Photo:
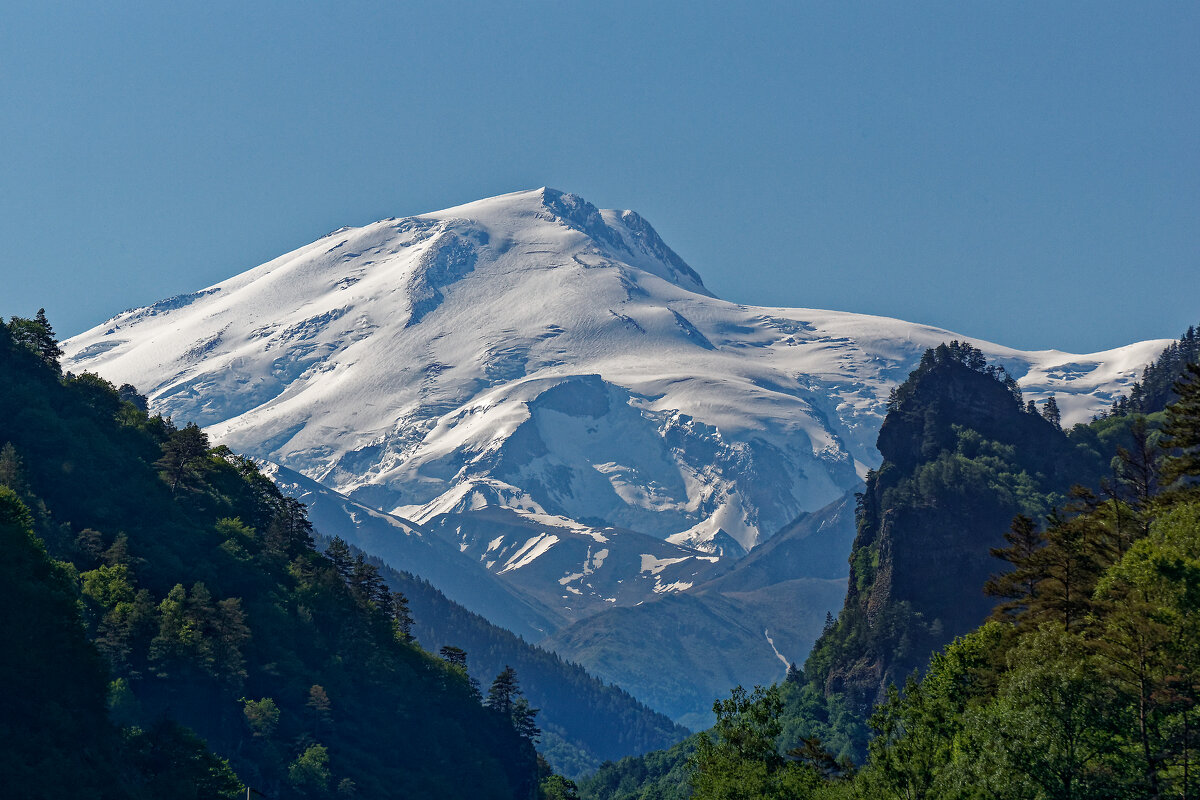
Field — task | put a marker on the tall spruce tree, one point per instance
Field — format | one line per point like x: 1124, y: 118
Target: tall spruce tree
x: 1019, y: 584
x: 503, y: 692
x: 1181, y: 434
x: 37, y: 335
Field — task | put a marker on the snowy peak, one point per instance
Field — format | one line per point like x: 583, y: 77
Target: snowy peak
x: 534, y: 353
x: 627, y: 233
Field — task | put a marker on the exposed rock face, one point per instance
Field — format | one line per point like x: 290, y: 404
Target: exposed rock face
x: 961, y: 458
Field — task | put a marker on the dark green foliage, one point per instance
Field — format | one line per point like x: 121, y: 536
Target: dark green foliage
x: 1181, y: 433
x: 168, y: 760
x: 556, y: 787
x: 37, y: 336
x: 660, y: 775
x: 505, y: 698
x: 1018, y: 584
x: 199, y: 585
x: 454, y: 655
x: 55, y: 738
x: 1051, y: 413
x: 128, y: 393
x: 503, y: 692
x: 183, y: 452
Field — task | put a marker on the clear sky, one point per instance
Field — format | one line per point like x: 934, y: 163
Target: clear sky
x: 1026, y: 173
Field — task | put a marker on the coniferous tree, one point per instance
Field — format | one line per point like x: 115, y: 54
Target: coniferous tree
x: 1181, y: 434
x: 1069, y: 565
x: 1051, y: 413
x: 454, y: 655
x: 401, y: 614
x: 365, y: 583
x: 523, y: 720
x: 339, y: 553
x: 38, y: 336
x: 129, y: 394
x: 503, y: 692
x: 290, y: 532
x: 181, y: 452
x: 1019, y: 584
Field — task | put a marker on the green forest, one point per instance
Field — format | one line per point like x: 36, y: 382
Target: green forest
x: 170, y: 631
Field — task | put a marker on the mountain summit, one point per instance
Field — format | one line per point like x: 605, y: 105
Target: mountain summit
x: 532, y: 359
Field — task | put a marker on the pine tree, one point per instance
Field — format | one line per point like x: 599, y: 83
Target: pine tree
x: 401, y: 615
x: 339, y: 553
x: 1020, y: 583
x: 37, y: 335
x: 290, y: 532
x: 365, y: 583
x: 523, y: 720
x: 1181, y: 433
x: 1067, y: 569
x: 129, y: 393
x: 1051, y: 413
x: 503, y: 692
x: 454, y: 655
x: 182, y: 450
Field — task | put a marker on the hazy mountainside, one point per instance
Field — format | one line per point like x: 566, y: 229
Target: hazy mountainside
x: 414, y: 549
x: 744, y: 625
x: 583, y: 720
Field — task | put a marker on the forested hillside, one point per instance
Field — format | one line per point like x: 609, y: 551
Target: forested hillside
x: 583, y: 720
x: 224, y: 650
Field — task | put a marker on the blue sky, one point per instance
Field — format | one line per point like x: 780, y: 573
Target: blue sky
x: 1023, y: 173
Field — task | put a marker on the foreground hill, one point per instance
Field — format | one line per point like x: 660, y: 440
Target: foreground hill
x: 210, y: 609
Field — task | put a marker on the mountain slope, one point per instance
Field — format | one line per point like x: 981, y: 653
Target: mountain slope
x: 530, y: 351
x: 583, y: 720
x: 744, y: 625
x: 536, y: 382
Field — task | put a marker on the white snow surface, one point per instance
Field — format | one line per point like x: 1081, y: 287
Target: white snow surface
x: 532, y: 352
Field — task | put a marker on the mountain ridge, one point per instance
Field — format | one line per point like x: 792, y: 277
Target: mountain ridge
x: 526, y: 375
x: 525, y: 265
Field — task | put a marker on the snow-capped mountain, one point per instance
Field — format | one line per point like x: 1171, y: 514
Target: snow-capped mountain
x: 537, y: 405
x: 531, y: 352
